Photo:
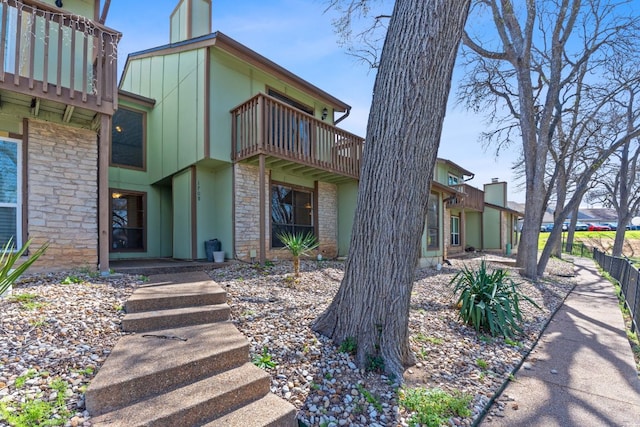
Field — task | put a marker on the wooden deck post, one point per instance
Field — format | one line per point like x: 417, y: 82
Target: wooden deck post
x: 104, y: 142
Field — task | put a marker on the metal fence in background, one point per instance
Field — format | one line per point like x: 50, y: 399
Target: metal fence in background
x: 628, y: 277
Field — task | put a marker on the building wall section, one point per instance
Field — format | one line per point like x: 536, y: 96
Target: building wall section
x: 62, y: 207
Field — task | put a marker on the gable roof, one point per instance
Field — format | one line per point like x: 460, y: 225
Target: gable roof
x: 237, y: 49
x: 462, y: 170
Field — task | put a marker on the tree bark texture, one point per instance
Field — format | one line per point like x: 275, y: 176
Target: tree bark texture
x: 403, y: 134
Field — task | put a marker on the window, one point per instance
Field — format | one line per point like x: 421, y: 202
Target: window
x: 455, y: 231
x: 10, y: 192
x: 453, y: 180
x: 128, y: 221
x: 292, y: 211
x: 128, y: 139
x: 290, y: 129
x: 433, y: 222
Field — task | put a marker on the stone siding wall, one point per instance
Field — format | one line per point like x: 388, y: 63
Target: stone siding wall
x: 62, y: 195
x: 328, y: 219
x: 247, y: 214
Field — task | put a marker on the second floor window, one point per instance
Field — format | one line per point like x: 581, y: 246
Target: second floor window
x: 128, y: 139
x: 453, y: 180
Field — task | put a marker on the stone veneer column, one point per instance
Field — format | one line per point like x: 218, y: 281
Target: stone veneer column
x: 328, y: 219
x: 247, y: 210
x: 62, y: 195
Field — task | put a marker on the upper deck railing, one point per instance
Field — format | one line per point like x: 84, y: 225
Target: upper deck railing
x: 55, y: 55
x: 473, y: 198
x: 264, y: 125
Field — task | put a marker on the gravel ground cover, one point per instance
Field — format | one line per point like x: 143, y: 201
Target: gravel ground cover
x: 276, y: 313
x: 66, y: 331
x: 53, y: 330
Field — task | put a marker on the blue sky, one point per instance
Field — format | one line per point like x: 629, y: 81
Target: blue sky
x: 298, y: 35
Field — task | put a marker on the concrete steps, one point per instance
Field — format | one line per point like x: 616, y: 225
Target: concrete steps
x: 187, y: 364
x: 175, y: 317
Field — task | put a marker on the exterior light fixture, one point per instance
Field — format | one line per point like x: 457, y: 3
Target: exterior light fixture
x: 59, y: 3
x: 325, y: 113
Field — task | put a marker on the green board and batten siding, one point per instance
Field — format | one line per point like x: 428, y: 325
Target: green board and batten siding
x: 176, y: 126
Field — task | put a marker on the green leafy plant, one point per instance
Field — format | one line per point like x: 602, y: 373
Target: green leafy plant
x: 9, y: 257
x: 370, y: 398
x: 298, y: 244
x: 489, y: 301
x: 349, y: 345
x: 263, y: 360
x: 434, y: 407
x: 482, y: 364
x: 375, y: 363
x: 36, y: 412
x: 22, y: 379
x: 71, y: 280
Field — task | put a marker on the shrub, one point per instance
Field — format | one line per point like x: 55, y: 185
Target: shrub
x: 298, y: 244
x: 8, y: 258
x: 489, y: 301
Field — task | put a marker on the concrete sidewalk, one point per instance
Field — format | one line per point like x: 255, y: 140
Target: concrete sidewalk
x: 582, y: 371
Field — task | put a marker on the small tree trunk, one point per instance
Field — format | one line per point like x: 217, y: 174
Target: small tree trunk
x: 296, y: 266
x: 403, y: 134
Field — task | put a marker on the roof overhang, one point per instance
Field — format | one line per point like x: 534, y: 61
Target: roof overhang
x: 240, y: 51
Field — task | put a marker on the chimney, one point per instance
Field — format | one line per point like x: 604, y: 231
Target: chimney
x: 495, y: 180
x: 190, y: 19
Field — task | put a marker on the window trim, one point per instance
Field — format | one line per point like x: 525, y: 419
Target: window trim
x: 144, y: 142
x: 20, y: 231
x: 292, y: 102
x: 435, y: 247
x: 455, y: 218
x: 125, y: 192
x: 314, y: 207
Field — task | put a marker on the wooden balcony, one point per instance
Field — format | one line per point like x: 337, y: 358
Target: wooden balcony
x: 294, y: 141
x: 472, y: 199
x: 53, y: 56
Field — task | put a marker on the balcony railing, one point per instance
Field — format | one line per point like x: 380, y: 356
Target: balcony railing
x: 264, y: 125
x: 473, y: 198
x: 54, y: 55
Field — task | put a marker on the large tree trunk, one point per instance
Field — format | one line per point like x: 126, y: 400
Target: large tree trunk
x: 403, y: 134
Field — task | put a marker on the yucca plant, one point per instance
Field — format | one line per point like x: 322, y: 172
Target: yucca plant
x: 490, y: 301
x: 8, y: 258
x: 298, y: 244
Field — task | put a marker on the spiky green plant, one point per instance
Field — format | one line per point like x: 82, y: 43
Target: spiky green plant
x: 298, y: 244
x: 490, y: 300
x: 8, y: 258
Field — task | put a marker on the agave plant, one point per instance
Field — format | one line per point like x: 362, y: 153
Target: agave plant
x: 490, y: 300
x: 298, y: 244
x: 8, y: 258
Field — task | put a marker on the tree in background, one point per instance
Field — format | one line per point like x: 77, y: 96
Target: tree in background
x: 619, y: 188
x: 403, y: 134
x: 524, y: 72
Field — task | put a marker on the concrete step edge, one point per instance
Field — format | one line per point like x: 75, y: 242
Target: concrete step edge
x: 194, y: 403
x: 269, y: 411
x: 176, y: 317
x: 139, y: 366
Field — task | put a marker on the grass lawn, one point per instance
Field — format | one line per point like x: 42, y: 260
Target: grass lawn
x: 601, y: 239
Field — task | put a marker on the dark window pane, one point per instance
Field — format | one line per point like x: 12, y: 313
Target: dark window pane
x: 7, y: 225
x: 8, y: 172
x: 127, y: 139
x: 127, y: 221
x: 291, y: 211
x: 433, y: 225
